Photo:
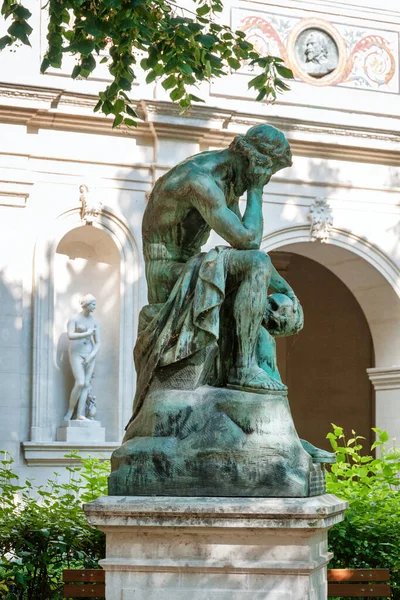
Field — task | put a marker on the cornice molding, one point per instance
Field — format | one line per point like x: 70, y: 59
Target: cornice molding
x: 45, y: 108
x: 385, y: 379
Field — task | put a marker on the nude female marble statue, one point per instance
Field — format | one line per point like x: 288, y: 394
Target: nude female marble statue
x: 84, y: 335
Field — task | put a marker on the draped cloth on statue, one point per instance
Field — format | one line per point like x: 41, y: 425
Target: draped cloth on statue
x: 186, y: 323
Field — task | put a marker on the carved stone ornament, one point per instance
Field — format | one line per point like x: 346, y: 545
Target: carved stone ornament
x: 321, y: 218
x: 91, y: 208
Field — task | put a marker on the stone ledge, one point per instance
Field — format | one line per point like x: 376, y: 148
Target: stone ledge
x: 289, y: 567
x: 53, y: 453
x: 385, y: 379
x: 113, y: 512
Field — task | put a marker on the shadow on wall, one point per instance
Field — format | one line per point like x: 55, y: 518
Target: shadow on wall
x: 15, y: 356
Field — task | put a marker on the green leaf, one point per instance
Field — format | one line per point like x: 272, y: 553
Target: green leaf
x: 384, y: 436
x: 20, y: 30
x: 85, y: 47
x: 284, y: 71
x: 206, y: 40
x: 170, y: 82
x: 130, y: 111
x: 258, y: 82
x: 130, y: 122
x: 117, y: 121
x: 177, y: 93
x: 234, y: 63
x: 151, y: 77
x: 45, y: 65
x: 76, y: 71
x: 261, y: 95
x: 203, y: 10
x: 6, y: 40
x: 186, y: 68
x: 196, y: 98
x: 22, y: 13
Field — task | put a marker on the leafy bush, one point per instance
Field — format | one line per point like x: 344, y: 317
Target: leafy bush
x: 369, y: 536
x: 43, y: 530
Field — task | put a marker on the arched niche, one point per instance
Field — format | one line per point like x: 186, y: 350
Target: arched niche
x: 65, y: 243
x: 87, y: 261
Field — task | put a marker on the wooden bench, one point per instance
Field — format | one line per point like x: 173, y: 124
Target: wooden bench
x: 358, y: 583
x: 90, y: 583
x: 84, y: 583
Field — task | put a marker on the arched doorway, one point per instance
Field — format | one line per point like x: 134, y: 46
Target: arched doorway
x: 325, y: 365
x: 374, y: 280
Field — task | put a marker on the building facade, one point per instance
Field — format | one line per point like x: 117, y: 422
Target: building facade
x: 73, y: 191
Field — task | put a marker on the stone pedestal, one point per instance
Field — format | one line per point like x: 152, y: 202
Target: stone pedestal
x: 81, y: 431
x: 164, y: 548
x: 214, y: 441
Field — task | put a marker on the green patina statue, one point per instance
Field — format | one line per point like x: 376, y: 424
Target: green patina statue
x: 210, y: 413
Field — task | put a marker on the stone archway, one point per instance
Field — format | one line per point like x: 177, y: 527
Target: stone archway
x: 42, y: 427
x: 374, y: 281
x: 325, y: 366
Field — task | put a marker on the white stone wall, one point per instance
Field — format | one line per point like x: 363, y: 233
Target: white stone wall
x: 345, y: 140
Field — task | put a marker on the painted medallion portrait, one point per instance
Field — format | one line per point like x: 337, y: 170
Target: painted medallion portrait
x: 316, y: 52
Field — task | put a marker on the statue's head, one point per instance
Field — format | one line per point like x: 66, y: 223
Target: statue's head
x: 280, y: 318
x: 316, y: 48
x: 263, y: 149
x: 88, y: 302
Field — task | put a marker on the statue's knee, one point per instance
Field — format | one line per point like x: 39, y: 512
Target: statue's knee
x: 79, y: 383
x: 260, y: 262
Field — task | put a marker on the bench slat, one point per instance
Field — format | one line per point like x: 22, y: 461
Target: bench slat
x: 86, y: 590
x: 358, y: 575
x: 374, y: 590
x: 84, y: 575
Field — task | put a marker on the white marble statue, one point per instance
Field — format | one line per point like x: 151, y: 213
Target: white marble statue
x: 84, y: 335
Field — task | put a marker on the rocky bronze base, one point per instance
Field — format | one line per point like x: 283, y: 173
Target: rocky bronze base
x: 214, y: 442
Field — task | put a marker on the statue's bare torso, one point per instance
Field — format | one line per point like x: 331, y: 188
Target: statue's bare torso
x: 172, y: 218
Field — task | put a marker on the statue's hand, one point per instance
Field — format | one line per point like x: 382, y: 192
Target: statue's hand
x: 290, y: 294
x: 259, y: 177
x: 86, y: 361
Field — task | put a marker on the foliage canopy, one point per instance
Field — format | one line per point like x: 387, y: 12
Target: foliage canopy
x: 180, y: 46
x: 43, y: 530
x: 368, y: 537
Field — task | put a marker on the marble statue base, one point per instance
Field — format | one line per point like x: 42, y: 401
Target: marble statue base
x: 175, y: 548
x: 81, y: 431
x: 214, y: 442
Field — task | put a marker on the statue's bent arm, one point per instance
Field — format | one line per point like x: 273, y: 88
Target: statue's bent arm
x: 96, y: 338
x: 75, y: 335
x: 209, y: 200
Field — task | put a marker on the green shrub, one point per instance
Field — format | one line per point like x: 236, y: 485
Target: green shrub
x: 43, y: 530
x: 369, y: 536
